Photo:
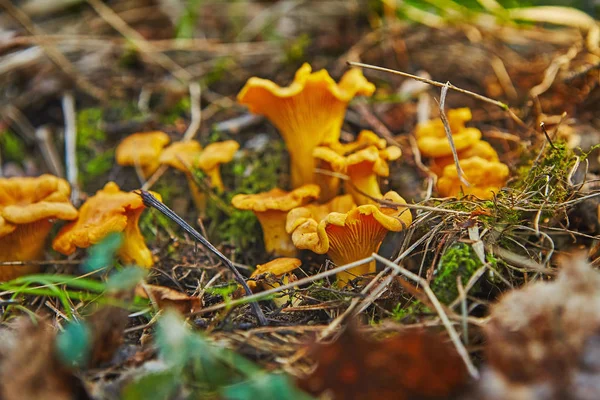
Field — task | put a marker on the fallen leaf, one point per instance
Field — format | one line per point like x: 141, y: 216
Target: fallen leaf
x: 412, y: 364
x: 169, y: 298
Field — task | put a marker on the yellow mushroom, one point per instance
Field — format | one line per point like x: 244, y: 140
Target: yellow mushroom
x: 271, y: 209
x: 431, y: 135
x: 213, y: 156
x: 479, y: 149
x: 272, y: 274
x: 142, y: 149
x: 362, y: 166
x: 307, y: 113
x: 350, y: 236
x: 485, y: 178
x: 183, y: 156
x: 28, y: 207
x: 109, y: 210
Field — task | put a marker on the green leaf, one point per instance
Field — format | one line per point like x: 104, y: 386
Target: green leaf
x: 154, y: 386
x: 126, y: 278
x: 73, y: 345
x: 265, y: 386
x: 102, y: 254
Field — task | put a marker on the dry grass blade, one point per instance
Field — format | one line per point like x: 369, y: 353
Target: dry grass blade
x: 460, y: 348
x: 459, y: 171
x: 497, y: 103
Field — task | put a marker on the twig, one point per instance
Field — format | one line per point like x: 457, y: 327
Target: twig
x: 281, y: 288
x: 459, y: 171
x: 497, y: 103
x: 68, y: 106
x: 43, y: 136
x: 55, y: 55
x: 460, y: 348
x: 151, y: 201
x: 543, y: 126
x: 196, y: 111
x: 114, y: 20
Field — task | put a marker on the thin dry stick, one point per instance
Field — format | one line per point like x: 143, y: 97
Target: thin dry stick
x: 460, y: 348
x: 461, y: 174
x: 56, y: 56
x: 267, y: 293
x: 43, y: 136
x: 114, y: 20
x: 196, y: 111
x: 497, y: 103
x: 353, y: 303
x: 68, y: 106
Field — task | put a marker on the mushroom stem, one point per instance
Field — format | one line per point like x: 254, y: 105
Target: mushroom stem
x: 215, y: 179
x: 26, y: 243
x: 302, y: 165
x: 363, y: 182
x: 198, y: 195
x: 277, y: 240
x: 134, y: 250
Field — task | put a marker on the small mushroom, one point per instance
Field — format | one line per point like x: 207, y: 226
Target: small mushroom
x: 363, y: 165
x: 213, y: 156
x: 431, y: 135
x: 28, y: 207
x: 183, y: 156
x: 142, y: 149
x: 109, y: 210
x: 480, y: 149
x: 350, y: 236
x: 272, y: 274
x: 485, y: 178
x: 318, y: 212
x: 307, y: 113
x: 271, y: 209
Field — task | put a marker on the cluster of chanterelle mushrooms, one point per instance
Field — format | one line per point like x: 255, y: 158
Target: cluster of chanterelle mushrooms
x: 347, y: 219
x: 315, y: 215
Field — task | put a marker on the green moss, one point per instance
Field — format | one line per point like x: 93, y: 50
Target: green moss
x: 92, y: 156
x: 550, y: 172
x: 458, y: 259
x: 295, y: 51
x: 249, y: 173
x: 218, y: 71
x: 13, y: 149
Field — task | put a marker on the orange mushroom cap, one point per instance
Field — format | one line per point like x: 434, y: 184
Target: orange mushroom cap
x: 27, y: 206
x: 271, y: 209
x: 142, y: 149
x: 307, y: 113
x: 363, y: 165
x: 181, y: 155
x: 268, y: 276
x: 485, y: 178
x: 351, y: 236
x: 109, y: 210
x: 479, y: 149
x: 184, y: 156
x: 213, y: 156
x: 431, y: 135
x: 318, y: 212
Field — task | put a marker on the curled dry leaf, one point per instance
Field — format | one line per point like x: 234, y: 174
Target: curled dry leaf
x: 169, y: 298
x: 412, y: 364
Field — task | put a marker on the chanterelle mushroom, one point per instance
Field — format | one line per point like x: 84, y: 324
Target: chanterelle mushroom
x: 142, y: 149
x: 271, y: 209
x: 431, y: 135
x: 213, y: 156
x: 351, y: 236
x: 268, y: 276
x: 28, y: 207
x: 307, y: 113
x: 485, y: 178
x: 109, y: 210
x: 478, y: 149
x: 363, y: 161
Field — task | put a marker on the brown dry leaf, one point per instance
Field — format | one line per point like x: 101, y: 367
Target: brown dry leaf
x: 31, y: 369
x: 169, y: 298
x: 410, y: 365
x: 108, y: 325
